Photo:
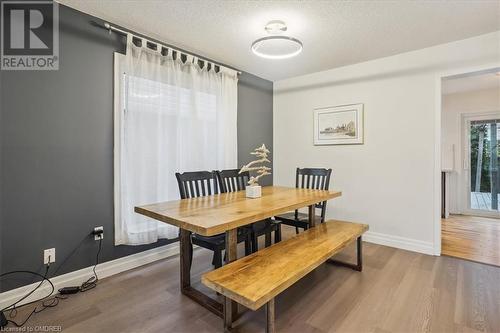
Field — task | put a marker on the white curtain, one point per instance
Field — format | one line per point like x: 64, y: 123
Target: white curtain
x: 170, y: 116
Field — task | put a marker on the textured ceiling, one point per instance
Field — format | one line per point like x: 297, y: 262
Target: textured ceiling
x: 334, y: 33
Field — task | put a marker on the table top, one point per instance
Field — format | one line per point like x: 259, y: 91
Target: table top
x: 215, y: 214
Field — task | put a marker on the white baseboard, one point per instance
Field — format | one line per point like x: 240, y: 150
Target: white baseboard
x: 103, y: 270
x: 399, y: 242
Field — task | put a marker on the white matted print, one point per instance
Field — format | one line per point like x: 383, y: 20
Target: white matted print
x: 339, y: 125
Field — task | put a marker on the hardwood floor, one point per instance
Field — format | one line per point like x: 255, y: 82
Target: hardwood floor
x: 471, y: 238
x: 398, y: 291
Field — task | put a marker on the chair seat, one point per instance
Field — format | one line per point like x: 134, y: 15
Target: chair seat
x: 302, y: 217
x: 216, y: 239
x: 220, y: 239
x: 261, y: 227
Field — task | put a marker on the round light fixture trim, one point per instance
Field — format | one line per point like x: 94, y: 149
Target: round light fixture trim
x: 277, y: 47
x: 275, y: 27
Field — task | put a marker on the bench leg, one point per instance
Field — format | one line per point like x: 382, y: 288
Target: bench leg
x: 359, y: 265
x: 360, y: 254
x: 270, y: 327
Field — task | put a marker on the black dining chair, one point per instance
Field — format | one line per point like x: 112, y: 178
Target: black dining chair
x: 311, y: 178
x: 202, y: 183
x: 231, y: 181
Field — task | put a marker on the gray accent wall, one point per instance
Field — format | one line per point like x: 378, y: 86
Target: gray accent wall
x: 56, y: 136
x: 255, y: 118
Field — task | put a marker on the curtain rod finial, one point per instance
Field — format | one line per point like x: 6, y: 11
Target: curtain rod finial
x: 108, y: 26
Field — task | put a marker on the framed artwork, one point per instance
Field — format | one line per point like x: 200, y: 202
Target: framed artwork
x: 339, y: 125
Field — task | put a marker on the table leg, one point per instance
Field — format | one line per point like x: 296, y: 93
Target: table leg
x: 186, y: 252
x: 230, y: 307
x: 311, y: 217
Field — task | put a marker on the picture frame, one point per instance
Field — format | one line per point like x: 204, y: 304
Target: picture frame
x: 339, y: 125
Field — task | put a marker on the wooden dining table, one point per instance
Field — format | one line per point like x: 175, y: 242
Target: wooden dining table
x: 224, y: 213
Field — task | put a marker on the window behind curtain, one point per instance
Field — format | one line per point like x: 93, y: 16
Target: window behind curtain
x: 168, y: 118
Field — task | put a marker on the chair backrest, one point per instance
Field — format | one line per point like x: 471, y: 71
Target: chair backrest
x: 314, y: 178
x: 196, y: 184
x: 232, y: 181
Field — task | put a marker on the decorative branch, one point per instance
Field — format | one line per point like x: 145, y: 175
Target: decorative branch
x: 262, y: 170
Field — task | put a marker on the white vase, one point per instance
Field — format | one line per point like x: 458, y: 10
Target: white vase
x: 254, y: 191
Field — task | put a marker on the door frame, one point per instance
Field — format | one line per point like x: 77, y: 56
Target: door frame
x: 437, y: 140
x: 464, y: 181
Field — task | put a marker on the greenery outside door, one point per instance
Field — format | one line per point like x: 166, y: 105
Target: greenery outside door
x: 481, y: 165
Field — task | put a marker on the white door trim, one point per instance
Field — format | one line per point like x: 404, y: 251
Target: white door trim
x: 437, y: 143
x: 464, y: 181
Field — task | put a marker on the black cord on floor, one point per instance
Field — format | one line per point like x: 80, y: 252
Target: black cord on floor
x: 13, y: 307
x: 45, y: 305
x: 47, y: 302
x: 44, y: 278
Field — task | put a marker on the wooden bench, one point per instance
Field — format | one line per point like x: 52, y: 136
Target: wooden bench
x: 255, y: 280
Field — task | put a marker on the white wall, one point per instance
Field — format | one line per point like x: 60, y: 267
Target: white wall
x: 453, y: 107
x: 389, y: 182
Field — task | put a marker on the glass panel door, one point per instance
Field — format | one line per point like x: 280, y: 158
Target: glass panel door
x: 484, y: 183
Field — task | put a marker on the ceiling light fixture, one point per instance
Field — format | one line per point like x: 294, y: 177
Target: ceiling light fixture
x: 276, y: 46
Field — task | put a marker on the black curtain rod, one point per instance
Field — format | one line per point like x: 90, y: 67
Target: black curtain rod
x: 125, y: 32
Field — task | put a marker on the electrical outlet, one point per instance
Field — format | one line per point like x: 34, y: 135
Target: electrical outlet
x: 49, y: 256
x: 96, y: 231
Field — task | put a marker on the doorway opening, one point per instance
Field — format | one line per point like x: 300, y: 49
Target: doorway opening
x: 470, y: 162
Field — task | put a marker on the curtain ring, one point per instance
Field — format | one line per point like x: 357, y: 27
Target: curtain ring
x: 196, y: 62
x: 130, y: 39
x: 178, y: 56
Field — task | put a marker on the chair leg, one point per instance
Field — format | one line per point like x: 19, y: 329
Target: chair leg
x: 217, y: 258
x: 268, y: 238
x: 277, y: 233
x: 297, y: 230
x: 255, y: 242
x: 248, y: 244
